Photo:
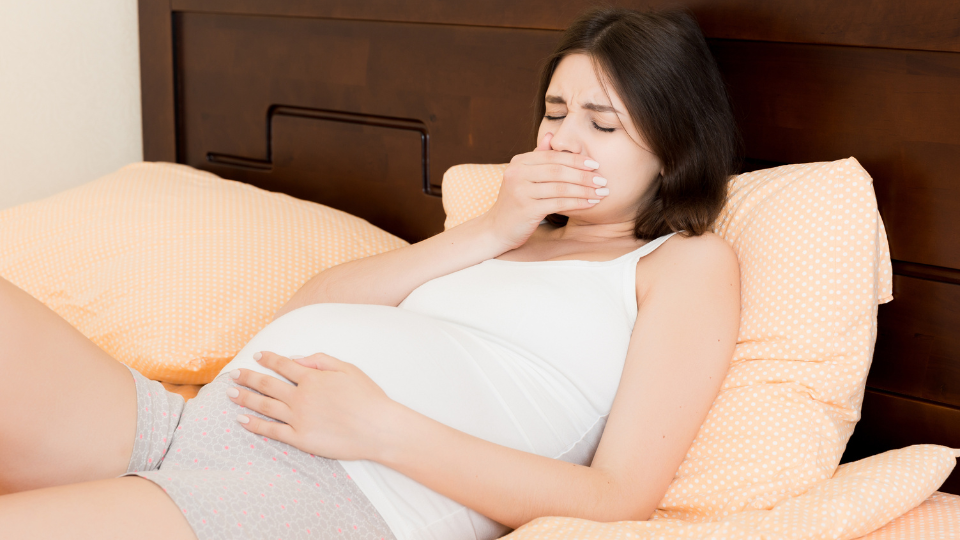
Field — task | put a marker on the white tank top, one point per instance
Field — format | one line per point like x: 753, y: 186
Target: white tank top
x: 524, y: 354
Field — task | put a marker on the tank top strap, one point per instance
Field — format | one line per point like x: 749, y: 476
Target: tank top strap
x: 646, y: 249
x: 629, y: 274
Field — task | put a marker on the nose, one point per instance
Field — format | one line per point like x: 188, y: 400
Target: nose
x: 565, y: 138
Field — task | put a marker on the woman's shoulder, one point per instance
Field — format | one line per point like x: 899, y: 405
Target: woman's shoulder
x: 705, y: 247
x: 688, y: 259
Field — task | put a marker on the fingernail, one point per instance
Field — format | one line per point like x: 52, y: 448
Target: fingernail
x: 296, y: 356
x: 257, y: 356
x: 243, y: 419
x: 235, y: 374
x: 233, y: 392
x: 591, y: 164
x: 593, y: 201
x: 599, y: 181
x: 603, y: 191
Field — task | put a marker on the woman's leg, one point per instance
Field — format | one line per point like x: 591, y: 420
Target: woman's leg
x: 68, y: 411
x: 128, y: 507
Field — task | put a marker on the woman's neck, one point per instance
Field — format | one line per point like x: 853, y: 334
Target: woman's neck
x: 594, y: 232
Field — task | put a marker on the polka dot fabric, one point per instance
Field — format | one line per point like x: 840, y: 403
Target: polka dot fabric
x: 814, y: 265
x: 860, y: 497
x: 470, y: 190
x: 937, y: 518
x: 172, y: 270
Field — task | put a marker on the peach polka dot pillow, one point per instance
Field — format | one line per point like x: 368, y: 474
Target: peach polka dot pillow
x: 172, y: 270
x: 937, y: 518
x: 470, y: 190
x: 814, y: 265
x: 860, y: 498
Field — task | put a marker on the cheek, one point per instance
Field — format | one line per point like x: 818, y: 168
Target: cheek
x: 628, y: 173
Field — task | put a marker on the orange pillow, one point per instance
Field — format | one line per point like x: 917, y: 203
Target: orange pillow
x: 469, y: 190
x: 937, y: 518
x: 861, y: 497
x: 172, y: 270
x: 814, y: 264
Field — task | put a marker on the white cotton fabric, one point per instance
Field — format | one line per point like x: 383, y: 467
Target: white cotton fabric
x: 524, y: 354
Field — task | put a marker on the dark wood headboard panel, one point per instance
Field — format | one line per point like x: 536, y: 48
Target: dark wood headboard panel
x: 363, y: 104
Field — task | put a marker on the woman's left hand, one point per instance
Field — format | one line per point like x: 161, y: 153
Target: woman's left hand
x: 335, y: 411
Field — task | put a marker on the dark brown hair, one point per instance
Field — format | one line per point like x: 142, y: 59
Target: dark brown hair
x: 660, y: 66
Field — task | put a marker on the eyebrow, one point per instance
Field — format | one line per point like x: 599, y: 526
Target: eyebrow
x: 557, y: 100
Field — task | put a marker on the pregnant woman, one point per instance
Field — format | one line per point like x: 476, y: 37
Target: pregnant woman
x: 555, y: 356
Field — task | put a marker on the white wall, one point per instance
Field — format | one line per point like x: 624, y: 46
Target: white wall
x: 69, y: 94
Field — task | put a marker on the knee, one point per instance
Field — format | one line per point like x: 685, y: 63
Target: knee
x: 8, y: 293
x: 14, y: 302
x: 8, y: 301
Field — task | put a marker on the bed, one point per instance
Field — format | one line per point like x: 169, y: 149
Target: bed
x: 362, y: 106
x: 441, y: 83
x: 390, y: 95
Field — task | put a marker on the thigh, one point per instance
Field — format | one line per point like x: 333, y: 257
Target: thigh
x: 128, y: 507
x: 68, y: 408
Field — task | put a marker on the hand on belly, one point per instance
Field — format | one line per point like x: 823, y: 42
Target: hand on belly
x: 335, y: 410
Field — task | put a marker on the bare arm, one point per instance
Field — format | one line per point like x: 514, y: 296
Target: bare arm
x: 387, y: 278
x: 679, y: 352
x: 535, y: 184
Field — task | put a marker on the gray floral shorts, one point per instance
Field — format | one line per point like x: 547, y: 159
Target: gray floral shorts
x: 231, y: 483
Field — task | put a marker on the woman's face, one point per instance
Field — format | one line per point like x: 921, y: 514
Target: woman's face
x: 586, y: 119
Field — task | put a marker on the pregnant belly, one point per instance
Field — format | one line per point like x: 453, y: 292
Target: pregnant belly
x: 438, y: 369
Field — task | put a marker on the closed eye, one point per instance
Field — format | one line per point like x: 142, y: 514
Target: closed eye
x: 603, y: 129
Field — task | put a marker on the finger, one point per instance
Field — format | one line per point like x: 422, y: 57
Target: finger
x: 553, y: 172
x: 281, y: 364
x: 264, y: 405
x: 274, y: 430
x: 265, y: 384
x: 323, y: 362
x: 544, y: 143
x: 569, y: 159
x: 551, y: 190
x: 559, y: 206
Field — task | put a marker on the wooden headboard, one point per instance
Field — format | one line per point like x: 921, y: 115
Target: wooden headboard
x: 363, y: 104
